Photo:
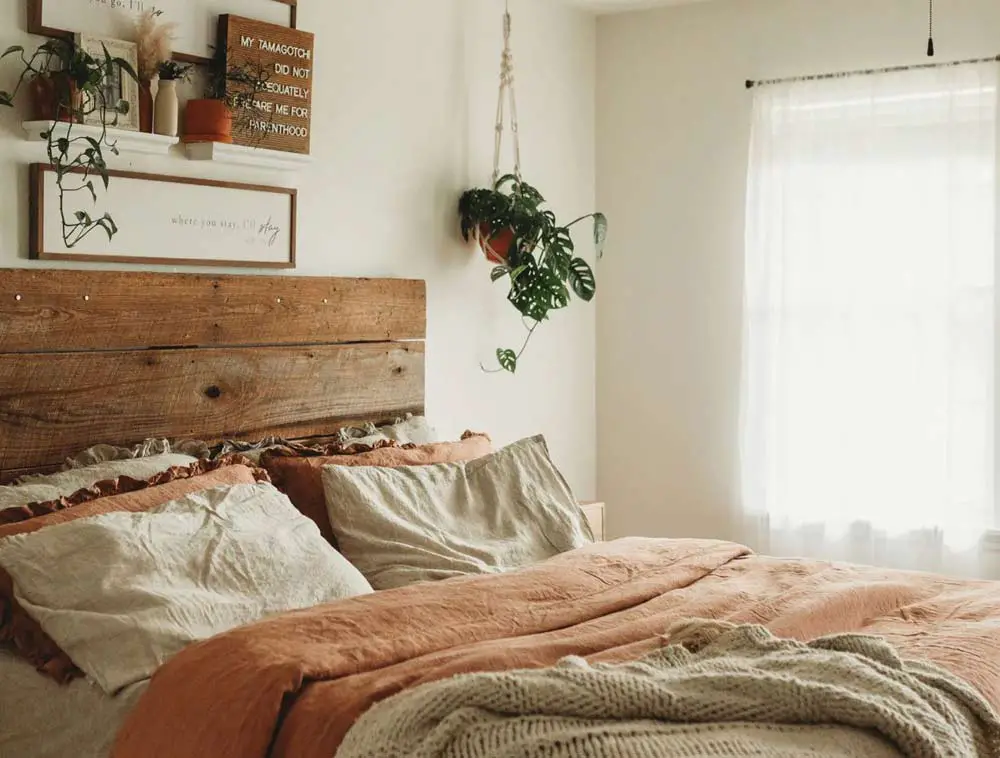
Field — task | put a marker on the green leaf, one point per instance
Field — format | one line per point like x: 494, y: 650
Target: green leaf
x: 93, y: 192
x: 600, y: 233
x: 559, y: 261
x: 62, y: 144
x: 499, y: 272
x: 108, y: 225
x: 125, y: 66
x: 6, y: 99
x: 11, y: 50
x: 507, y: 360
x: 581, y: 279
x: 538, y: 291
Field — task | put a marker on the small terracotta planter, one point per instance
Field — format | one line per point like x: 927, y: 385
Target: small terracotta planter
x: 208, y: 121
x: 54, y: 97
x: 496, y: 247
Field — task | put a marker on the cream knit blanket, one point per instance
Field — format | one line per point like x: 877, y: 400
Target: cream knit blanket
x: 725, y: 691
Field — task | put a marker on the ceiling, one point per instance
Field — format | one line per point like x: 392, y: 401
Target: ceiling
x: 619, y: 6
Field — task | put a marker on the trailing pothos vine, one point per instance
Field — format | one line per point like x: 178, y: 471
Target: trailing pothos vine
x: 72, y: 81
x: 533, y: 252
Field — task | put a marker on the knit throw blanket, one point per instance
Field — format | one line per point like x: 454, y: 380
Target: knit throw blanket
x: 722, y: 691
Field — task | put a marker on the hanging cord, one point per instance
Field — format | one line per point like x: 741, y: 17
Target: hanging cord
x: 507, y: 94
x: 930, y: 29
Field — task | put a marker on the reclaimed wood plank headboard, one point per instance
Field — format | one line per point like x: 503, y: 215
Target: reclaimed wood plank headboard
x: 88, y: 357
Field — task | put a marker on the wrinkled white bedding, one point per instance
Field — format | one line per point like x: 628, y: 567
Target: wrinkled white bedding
x: 42, y: 719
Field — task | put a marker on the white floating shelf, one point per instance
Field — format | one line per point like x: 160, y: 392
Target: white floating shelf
x: 126, y: 141
x: 241, y: 155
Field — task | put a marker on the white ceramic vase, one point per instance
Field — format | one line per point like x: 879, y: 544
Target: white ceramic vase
x: 166, y: 109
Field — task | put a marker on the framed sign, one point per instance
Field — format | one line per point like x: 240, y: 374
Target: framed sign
x: 281, y: 113
x: 117, y: 85
x: 196, y: 19
x: 172, y: 220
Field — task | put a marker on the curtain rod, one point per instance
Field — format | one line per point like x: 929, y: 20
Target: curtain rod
x: 751, y: 83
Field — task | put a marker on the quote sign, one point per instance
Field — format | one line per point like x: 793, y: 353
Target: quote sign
x: 195, y: 32
x: 282, y: 60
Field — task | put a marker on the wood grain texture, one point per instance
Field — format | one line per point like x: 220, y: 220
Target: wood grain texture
x: 43, y: 310
x: 53, y: 405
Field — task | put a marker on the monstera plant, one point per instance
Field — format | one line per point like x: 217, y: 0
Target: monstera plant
x: 531, y: 251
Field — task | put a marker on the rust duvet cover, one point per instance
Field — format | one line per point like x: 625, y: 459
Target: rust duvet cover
x: 292, y: 686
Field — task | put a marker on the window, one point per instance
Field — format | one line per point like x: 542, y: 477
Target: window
x: 869, y: 346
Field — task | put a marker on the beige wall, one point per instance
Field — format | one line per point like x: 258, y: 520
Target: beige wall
x: 405, y: 94
x: 673, y: 137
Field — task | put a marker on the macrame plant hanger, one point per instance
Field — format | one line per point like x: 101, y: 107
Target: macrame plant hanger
x: 507, y: 97
x: 930, y: 29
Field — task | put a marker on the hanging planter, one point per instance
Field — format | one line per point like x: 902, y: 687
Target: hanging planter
x: 529, y: 248
x: 496, y: 247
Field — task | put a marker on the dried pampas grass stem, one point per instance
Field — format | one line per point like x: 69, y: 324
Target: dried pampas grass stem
x: 154, y: 39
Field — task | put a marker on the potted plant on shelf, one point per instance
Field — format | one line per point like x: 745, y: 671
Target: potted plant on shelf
x: 65, y: 84
x: 167, y: 106
x: 153, y: 39
x: 531, y: 250
x: 230, y: 103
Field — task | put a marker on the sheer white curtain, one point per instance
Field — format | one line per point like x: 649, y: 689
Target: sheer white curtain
x: 867, y: 423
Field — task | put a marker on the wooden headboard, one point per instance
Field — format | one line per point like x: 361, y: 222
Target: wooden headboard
x: 89, y: 357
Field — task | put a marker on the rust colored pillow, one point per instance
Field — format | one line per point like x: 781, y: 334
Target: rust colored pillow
x: 301, y: 478
x: 21, y: 632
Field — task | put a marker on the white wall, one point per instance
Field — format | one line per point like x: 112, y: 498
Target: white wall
x: 673, y: 137
x: 405, y: 94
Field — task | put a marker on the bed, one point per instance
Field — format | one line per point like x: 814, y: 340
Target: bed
x: 89, y: 357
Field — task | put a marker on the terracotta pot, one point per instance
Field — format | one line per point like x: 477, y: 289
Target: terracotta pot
x: 54, y: 98
x: 208, y: 121
x: 145, y: 107
x: 496, y: 247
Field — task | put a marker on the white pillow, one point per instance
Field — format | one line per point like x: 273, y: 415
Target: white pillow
x: 37, y: 489
x: 416, y: 523
x: 414, y: 430
x: 121, y: 593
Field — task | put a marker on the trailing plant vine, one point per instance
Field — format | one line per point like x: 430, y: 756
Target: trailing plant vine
x: 240, y: 85
x: 533, y: 252
x: 75, y: 79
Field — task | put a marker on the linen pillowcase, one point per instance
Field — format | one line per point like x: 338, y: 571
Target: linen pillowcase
x: 122, y: 593
x: 417, y: 523
x: 413, y: 430
x: 40, y: 488
x: 22, y: 633
x: 301, y: 477
x: 409, y: 431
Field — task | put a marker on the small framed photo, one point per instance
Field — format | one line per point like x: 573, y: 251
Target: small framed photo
x: 117, y: 88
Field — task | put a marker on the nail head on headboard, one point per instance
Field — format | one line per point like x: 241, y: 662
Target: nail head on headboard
x: 213, y: 392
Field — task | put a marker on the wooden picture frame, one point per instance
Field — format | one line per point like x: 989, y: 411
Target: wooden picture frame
x: 36, y: 25
x: 123, y: 87
x: 157, y: 226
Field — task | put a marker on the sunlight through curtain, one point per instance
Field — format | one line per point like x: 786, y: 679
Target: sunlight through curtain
x: 868, y: 369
